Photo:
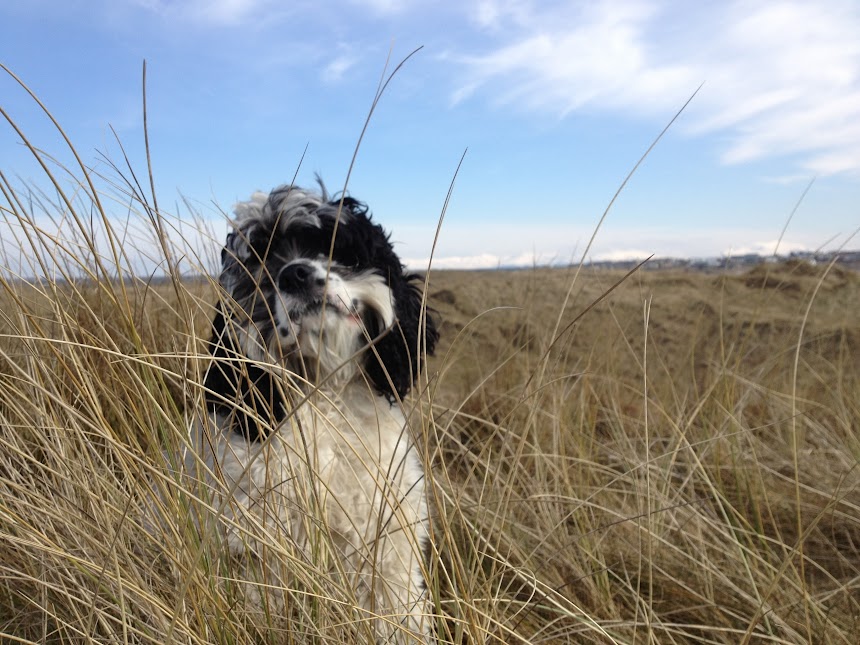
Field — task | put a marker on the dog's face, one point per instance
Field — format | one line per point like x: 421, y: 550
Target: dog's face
x: 314, y: 285
x: 324, y: 312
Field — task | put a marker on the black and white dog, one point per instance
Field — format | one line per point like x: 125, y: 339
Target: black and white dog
x: 319, y: 335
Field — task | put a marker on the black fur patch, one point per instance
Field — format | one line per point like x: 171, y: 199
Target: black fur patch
x: 248, y: 395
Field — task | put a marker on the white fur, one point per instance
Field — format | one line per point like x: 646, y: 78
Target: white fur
x: 342, y: 471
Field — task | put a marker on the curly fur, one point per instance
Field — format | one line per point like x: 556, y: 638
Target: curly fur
x: 317, y: 339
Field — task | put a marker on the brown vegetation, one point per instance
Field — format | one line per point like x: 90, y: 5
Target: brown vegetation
x: 680, y: 462
x: 672, y: 459
x: 666, y: 457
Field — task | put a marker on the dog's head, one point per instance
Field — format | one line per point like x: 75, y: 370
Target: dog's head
x: 312, y: 284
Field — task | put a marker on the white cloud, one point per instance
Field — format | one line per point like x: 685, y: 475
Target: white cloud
x: 619, y: 255
x: 788, y: 180
x: 491, y: 14
x: 483, y: 261
x: 335, y: 70
x: 783, y: 247
x: 609, y: 253
x: 567, y: 59
x: 781, y: 77
x: 468, y: 246
x: 480, y: 261
x: 382, y: 7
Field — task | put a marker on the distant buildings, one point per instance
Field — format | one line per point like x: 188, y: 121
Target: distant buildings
x: 846, y: 259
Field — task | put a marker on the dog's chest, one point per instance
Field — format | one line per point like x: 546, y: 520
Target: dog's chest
x: 345, y: 457
x: 356, y: 430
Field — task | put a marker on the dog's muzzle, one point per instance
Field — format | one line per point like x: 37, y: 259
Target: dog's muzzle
x: 308, y: 288
x: 300, y: 279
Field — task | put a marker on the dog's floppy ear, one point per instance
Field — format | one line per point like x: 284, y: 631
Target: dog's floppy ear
x: 248, y: 396
x: 392, y: 365
x: 238, y: 390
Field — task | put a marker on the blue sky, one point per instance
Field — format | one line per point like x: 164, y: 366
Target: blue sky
x: 553, y: 103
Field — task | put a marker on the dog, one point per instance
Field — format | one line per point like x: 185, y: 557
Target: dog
x: 319, y: 334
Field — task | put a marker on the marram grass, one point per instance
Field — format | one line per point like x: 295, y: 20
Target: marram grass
x: 671, y: 459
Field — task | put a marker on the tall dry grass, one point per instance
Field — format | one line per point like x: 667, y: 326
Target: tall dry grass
x: 679, y: 465
x: 656, y: 458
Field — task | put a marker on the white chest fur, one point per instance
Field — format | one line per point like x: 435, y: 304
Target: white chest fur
x: 340, y: 478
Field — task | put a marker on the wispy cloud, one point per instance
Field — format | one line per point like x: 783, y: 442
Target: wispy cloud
x: 340, y: 65
x: 383, y: 7
x: 491, y: 14
x: 563, y: 58
x: 782, y: 78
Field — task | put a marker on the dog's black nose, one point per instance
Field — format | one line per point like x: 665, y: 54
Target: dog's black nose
x: 296, y: 277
